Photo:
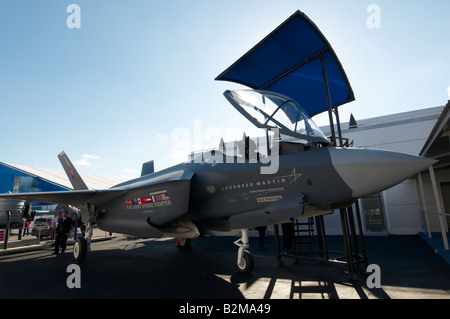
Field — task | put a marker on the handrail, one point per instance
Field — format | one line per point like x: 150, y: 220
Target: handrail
x: 436, y: 213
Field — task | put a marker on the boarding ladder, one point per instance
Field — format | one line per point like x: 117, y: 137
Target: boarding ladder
x: 304, y: 234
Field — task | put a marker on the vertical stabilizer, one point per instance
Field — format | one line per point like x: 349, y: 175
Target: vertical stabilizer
x: 147, y: 168
x: 72, y: 174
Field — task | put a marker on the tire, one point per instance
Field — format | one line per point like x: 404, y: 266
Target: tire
x: 184, y: 243
x: 79, y: 249
x: 247, y: 264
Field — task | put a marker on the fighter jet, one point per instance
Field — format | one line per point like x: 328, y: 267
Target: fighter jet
x: 297, y: 172
x: 302, y: 176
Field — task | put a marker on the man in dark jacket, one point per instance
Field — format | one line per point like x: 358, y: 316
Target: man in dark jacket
x: 63, y: 231
x: 57, y: 230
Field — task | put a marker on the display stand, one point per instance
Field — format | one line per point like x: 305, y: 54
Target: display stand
x: 352, y: 255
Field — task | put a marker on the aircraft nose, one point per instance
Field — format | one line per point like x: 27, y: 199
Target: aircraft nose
x: 369, y: 171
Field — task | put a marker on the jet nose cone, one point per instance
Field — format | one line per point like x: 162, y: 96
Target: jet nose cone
x: 369, y: 171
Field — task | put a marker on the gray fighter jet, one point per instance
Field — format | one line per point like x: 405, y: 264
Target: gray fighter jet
x: 302, y: 176
x: 295, y: 173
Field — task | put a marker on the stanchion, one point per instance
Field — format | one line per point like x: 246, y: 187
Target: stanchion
x: 277, y: 244
x: 8, y: 221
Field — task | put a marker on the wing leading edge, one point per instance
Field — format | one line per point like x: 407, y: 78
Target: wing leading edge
x: 77, y: 197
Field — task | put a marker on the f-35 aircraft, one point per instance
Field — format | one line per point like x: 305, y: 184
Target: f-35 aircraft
x: 297, y: 173
x: 215, y: 191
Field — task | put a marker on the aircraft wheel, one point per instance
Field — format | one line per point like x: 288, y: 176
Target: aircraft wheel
x: 246, y: 266
x: 184, y: 243
x: 79, y: 249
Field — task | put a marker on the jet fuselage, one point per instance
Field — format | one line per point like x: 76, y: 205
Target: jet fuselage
x: 219, y: 187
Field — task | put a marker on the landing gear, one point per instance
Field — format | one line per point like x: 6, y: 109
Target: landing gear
x: 90, y: 225
x: 79, y: 249
x: 184, y: 243
x: 246, y: 264
x: 244, y: 258
x: 83, y: 244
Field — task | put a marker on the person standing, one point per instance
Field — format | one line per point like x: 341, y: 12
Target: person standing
x: 62, y: 230
x: 55, y: 222
x: 26, y: 225
x: 262, y: 235
x: 66, y: 226
x: 288, y: 234
x: 58, y: 225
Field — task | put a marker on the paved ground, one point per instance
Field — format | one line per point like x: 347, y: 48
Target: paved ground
x: 130, y: 268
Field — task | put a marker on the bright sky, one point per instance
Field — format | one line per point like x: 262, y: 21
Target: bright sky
x: 137, y: 75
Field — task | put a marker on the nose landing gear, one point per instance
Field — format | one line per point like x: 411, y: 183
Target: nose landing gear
x: 244, y: 258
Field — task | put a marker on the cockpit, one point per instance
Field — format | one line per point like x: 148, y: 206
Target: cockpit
x: 287, y: 126
x: 294, y: 130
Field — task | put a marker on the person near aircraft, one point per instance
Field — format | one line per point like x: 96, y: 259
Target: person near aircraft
x: 65, y: 231
x: 288, y: 234
x: 262, y: 236
x: 26, y: 227
x: 55, y: 222
x: 62, y: 233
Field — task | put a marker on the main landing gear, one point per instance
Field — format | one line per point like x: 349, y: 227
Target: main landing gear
x: 80, y: 248
x: 82, y: 244
x: 244, y: 258
x: 184, y: 243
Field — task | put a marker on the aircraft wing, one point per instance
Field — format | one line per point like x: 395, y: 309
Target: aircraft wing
x: 68, y: 197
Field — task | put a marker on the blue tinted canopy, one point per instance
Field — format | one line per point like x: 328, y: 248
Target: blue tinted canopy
x: 294, y: 60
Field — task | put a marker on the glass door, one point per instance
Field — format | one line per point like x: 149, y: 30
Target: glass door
x: 374, y: 215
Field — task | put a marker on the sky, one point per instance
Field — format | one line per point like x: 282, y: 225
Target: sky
x: 117, y: 83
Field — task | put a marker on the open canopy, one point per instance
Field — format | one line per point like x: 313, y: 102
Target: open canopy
x: 269, y: 110
x: 295, y: 60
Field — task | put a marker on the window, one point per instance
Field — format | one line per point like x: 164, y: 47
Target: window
x: 26, y: 184
x: 374, y: 215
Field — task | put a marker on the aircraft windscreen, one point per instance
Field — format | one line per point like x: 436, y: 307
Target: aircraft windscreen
x: 269, y: 110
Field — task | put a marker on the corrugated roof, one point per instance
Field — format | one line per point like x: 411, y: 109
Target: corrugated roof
x: 437, y: 146
x: 60, y: 178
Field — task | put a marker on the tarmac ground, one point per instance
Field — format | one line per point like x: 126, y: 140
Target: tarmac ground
x: 130, y: 268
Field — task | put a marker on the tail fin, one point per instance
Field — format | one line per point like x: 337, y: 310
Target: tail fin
x: 147, y: 168
x: 72, y: 174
